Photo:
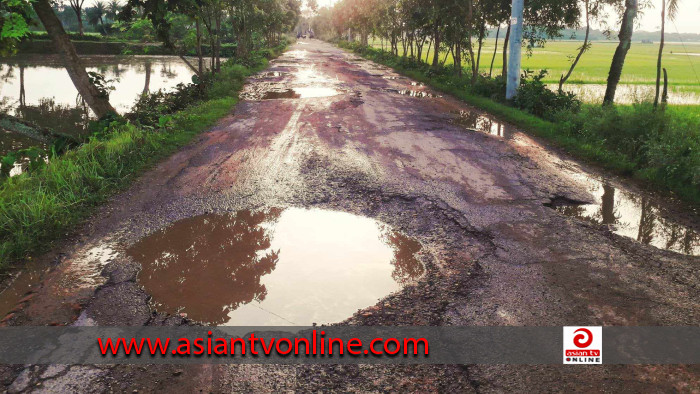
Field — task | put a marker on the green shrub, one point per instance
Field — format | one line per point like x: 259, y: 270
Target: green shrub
x: 536, y: 98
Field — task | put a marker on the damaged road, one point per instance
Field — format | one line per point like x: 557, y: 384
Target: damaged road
x: 509, y: 231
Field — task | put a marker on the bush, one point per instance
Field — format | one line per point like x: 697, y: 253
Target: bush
x: 150, y: 107
x: 493, y: 88
x: 534, y: 97
x: 42, y: 35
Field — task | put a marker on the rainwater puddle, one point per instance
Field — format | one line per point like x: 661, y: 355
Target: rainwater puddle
x: 633, y: 216
x: 84, y: 272
x: 417, y: 93
x: 22, y: 285
x: 305, y: 92
x: 481, y: 123
x: 270, y: 74
x: 274, y: 267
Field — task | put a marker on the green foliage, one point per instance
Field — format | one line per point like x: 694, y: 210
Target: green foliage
x: 534, y: 97
x: 15, y: 16
x: 138, y: 30
x: 103, y: 85
x: 42, y: 35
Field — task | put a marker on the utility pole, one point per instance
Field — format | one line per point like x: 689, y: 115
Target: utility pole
x: 516, y: 37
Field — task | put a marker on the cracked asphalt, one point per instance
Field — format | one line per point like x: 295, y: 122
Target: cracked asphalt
x: 322, y: 128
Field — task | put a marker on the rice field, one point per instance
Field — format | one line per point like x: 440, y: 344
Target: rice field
x: 639, y: 74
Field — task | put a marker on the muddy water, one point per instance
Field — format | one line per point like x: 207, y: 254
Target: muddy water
x: 633, y: 216
x: 21, y: 287
x: 475, y: 121
x: 274, y: 267
x: 302, y: 92
x: 295, y: 83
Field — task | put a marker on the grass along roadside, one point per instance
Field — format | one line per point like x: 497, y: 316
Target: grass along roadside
x: 660, y: 148
x: 39, y: 207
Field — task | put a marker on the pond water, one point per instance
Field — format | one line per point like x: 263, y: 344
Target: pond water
x: 274, y: 267
x: 38, y: 89
x: 628, y: 94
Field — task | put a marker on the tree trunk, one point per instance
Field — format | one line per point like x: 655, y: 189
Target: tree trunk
x: 472, y: 58
x: 505, y: 52
x: 436, y: 51
x: 458, y: 58
x: 200, y: 59
x: 583, y: 49
x: 495, y: 49
x: 102, y: 25
x: 661, y: 51
x: 22, y: 93
x: 241, y: 47
x: 147, y: 83
x: 217, y: 43
x: 664, y: 96
x: 444, y: 60
x: 427, y: 53
x: 482, y: 33
x: 618, y: 61
x: 98, y: 103
x: 607, y: 207
x: 79, y: 15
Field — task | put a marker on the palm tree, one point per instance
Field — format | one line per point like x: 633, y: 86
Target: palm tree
x: 113, y: 8
x: 95, y: 15
x: 672, y: 7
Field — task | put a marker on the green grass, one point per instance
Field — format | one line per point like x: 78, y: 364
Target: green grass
x: 639, y: 69
x: 659, y: 148
x: 38, y: 207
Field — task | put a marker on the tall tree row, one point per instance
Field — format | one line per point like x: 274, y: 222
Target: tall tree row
x: 431, y: 31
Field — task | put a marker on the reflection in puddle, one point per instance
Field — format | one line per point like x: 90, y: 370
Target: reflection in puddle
x: 310, y: 92
x: 417, y: 93
x: 484, y: 124
x: 635, y: 217
x: 270, y: 74
x: 307, y: 92
x: 285, y: 94
x: 274, y: 267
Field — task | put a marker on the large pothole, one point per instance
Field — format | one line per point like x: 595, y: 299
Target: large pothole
x: 274, y: 266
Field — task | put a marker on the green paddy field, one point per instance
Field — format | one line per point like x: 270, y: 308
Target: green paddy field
x: 638, y: 77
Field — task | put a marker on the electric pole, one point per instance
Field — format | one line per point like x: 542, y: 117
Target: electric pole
x: 516, y: 37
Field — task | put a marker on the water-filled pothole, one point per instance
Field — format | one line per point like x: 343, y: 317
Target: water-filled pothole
x: 481, y: 123
x: 303, y: 92
x: 270, y: 74
x: 417, y: 93
x: 631, y: 215
x: 275, y: 266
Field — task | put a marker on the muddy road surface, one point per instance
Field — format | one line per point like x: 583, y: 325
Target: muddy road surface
x: 410, y: 207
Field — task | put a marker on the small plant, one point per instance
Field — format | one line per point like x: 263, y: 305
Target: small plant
x: 103, y: 85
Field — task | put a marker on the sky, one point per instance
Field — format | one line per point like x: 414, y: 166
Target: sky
x: 687, y: 21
